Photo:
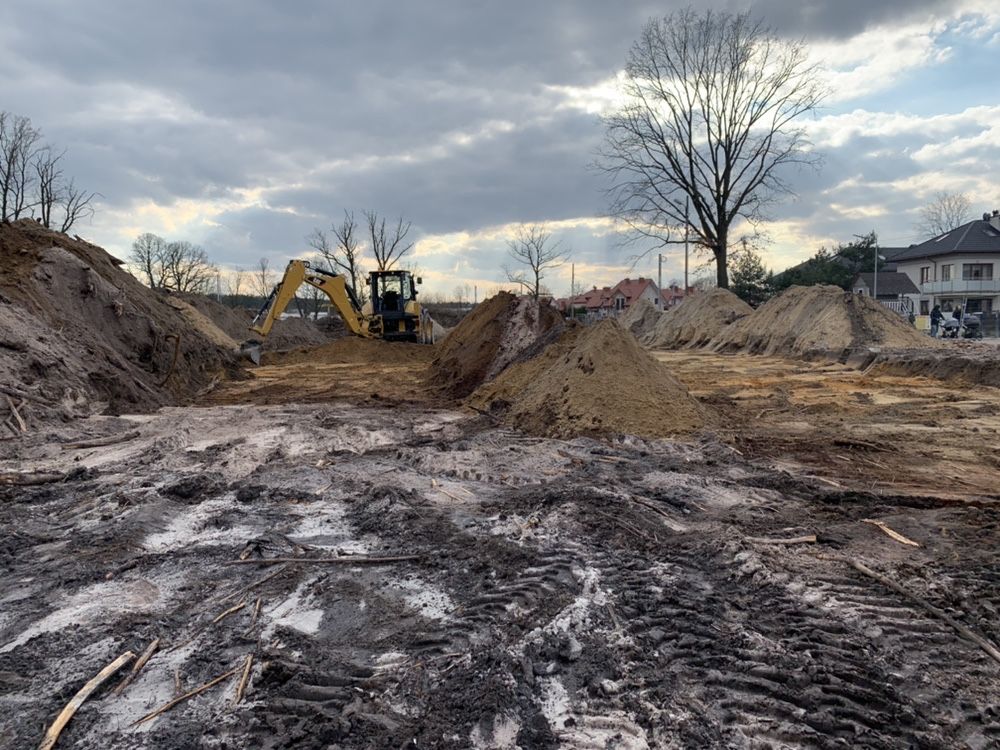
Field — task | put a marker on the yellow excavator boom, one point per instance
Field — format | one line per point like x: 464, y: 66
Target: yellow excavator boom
x: 333, y: 285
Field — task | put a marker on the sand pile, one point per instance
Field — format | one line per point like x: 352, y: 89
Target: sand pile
x: 490, y: 338
x: 641, y: 318
x: 593, y: 380
x: 355, y: 350
x: 78, y: 334
x: 697, y: 320
x: 285, y: 334
x: 819, y: 320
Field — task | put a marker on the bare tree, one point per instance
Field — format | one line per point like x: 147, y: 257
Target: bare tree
x: 188, y: 268
x: 235, y: 281
x: 343, y: 251
x: 533, y: 248
x: 388, y: 245
x: 48, y: 175
x: 263, y: 278
x: 76, y: 204
x: 19, y: 142
x: 946, y: 212
x: 148, y: 255
x: 712, y: 101
x: 179, y: 266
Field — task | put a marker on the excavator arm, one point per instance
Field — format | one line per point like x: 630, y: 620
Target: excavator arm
x: 333, y: 285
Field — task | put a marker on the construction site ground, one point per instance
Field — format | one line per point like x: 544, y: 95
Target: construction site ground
x: 606, y: 593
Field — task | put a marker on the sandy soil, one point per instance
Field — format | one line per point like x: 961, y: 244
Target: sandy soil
x: 874, y: 432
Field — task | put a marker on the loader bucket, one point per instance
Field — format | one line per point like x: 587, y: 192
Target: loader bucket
x: 251, y: 350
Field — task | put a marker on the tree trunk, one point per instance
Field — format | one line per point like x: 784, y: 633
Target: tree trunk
x: 721, y: 261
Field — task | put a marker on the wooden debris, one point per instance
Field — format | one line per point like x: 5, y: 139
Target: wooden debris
x: 52, y: 735
x: 242, y: 686
x: 991, y: 649
x: 23, y: 395
x: 852, y: 443
x: 807, y: 539
x: 890, y: 532
x: 230, y: 611
x: 16, y: 414
x: 180, y: 699
x: 255, y: 584
x: 25, y: 479
x: 343, y: 560
x: 139, y: 664
x: 256, y: 614
x: 101, y: 442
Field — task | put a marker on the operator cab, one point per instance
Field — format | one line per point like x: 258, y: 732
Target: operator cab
x: 391, y: 292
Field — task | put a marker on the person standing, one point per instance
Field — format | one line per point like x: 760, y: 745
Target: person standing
x: 936, y: 317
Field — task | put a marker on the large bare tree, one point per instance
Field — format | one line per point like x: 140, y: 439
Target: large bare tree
x: 342, y: 251
x: 387, y: 244
x: 179, y: 266
x: 263, y: 277
x: 19, y: 143
x: 534, y: 251
x: 710, y: 121
x: 944, y: 213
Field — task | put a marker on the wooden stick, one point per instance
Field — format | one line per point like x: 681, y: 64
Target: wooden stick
x: 139, y: 664
x: 807, y: 539
x: 190, y: 694
x: 230, y: 611
x: 890, y: 532
x: 242, y: 686
x: 17, y: 393
x: 16, y: 414
x: 256, y: 614
x: 961, y: 629
x: 345, y: 560
x: 52, y: 735
x: 24, y: 479
x: 253, y: 585
x: 100, y: 442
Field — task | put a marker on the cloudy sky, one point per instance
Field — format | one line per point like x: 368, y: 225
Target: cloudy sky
x: 243, y: 124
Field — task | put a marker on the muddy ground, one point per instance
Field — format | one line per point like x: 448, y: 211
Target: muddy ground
x: 586, y: 593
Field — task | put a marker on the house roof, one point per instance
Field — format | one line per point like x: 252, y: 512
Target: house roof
x: 889, y: 283
x: 631, y: 289
x: 974, y: 238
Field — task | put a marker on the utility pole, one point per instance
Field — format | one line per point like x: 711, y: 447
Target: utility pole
x: 875, y: 281
x: 659, y: 278
x: 572, y: 291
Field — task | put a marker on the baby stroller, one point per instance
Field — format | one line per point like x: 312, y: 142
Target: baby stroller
x: 950, y: 328
x: 972, y: 327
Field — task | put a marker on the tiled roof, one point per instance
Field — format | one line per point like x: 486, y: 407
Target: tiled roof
x: 975, y: 238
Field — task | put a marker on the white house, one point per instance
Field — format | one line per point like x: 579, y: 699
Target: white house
x: 959, y: 268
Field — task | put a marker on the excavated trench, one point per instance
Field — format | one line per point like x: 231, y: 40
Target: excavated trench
x: 584, y: 593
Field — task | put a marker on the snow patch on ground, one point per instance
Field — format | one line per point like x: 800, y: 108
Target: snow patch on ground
x: 296, y: 612
x: 92, y: 603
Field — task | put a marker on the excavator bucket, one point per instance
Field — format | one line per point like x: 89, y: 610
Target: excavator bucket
x: 251, y: 350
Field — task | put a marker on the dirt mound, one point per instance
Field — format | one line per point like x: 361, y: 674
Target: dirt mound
x: 354, y: 350
x: 817, y: 320
x: 641, y: 318
x: 488, y: 340
x: 593, y: 380
x: 288, y: 333
x: 697, y: 320
x: 79, y: 334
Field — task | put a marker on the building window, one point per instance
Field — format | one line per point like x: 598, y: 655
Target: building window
x: 946, y: 273
x: 924, y: 305
x: 977, y: 271
x: 925, y: 274
x: 619, y: 303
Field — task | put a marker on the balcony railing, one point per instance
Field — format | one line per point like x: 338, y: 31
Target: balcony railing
x: 962, y: 286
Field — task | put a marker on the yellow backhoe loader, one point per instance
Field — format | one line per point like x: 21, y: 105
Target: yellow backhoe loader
x: 391, y: 312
